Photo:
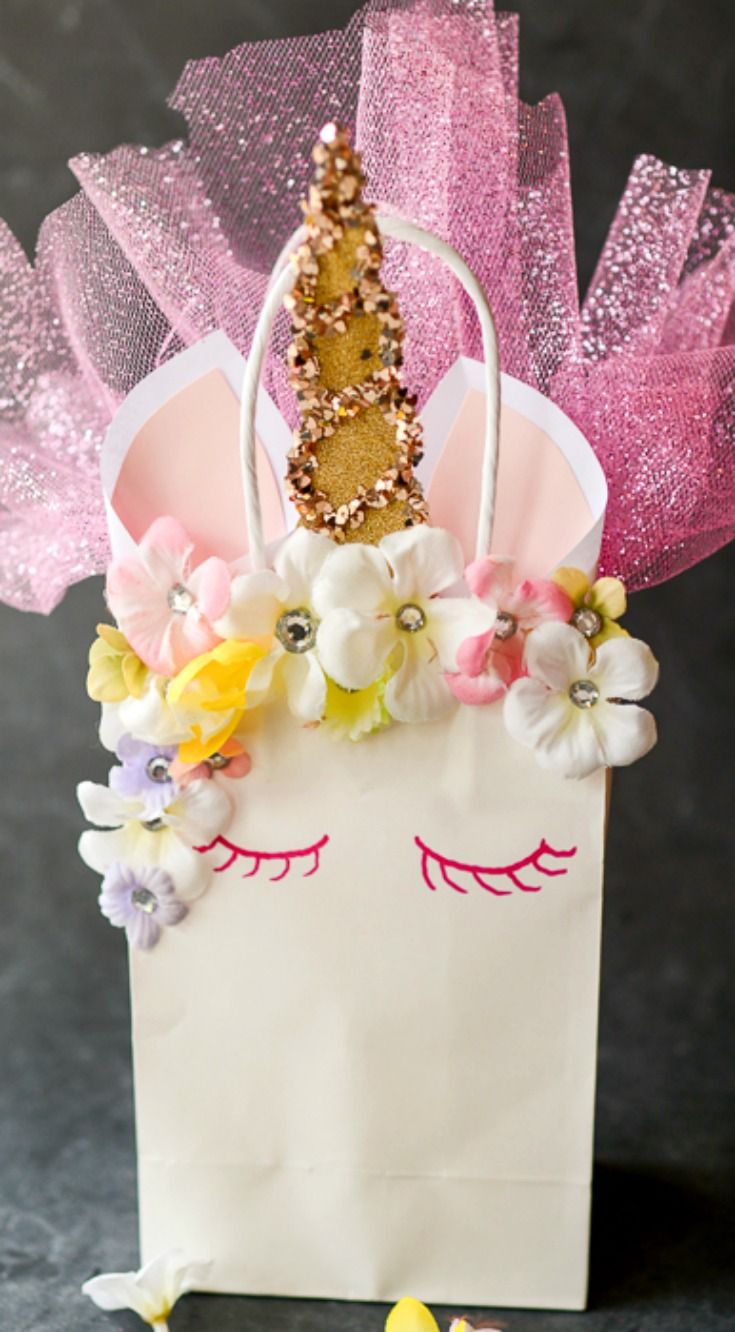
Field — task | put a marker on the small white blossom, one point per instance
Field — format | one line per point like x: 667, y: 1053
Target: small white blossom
x: 151, y: 1292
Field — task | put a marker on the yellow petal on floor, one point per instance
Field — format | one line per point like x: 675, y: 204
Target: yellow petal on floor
x: 410, y: 1316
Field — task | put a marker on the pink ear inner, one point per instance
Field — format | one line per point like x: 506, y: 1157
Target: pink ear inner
x: 184, y: 461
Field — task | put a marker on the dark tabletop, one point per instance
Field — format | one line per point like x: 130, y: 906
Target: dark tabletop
x: 637, y: 75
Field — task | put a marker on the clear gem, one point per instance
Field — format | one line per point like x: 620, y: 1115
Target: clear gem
x: 180, y: 598
x: 144, y: 900
x: 410, y: 618
x: 584, y: 693
x: 328, y: 133
x: 218, y: 760
x: 154, y: 825
x: 506, y: 625
x: 157, y: 768
x: 587, y: 621
x: 296, y: 630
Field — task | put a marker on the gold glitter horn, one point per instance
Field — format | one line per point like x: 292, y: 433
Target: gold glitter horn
x: 350, y: 472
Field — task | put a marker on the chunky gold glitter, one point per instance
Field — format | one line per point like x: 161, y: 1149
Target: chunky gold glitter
x: 350, y: 473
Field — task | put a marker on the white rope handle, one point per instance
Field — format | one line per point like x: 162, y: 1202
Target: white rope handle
x: 281, y: 282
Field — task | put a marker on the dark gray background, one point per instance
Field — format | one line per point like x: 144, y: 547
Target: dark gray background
x: 636, y: 75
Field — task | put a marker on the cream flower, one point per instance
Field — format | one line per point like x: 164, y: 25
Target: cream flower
x: 275, y: 609
x: 196, y: 815
x: 575, y: 708
x: 152, y: 1292
x: 381, y: 603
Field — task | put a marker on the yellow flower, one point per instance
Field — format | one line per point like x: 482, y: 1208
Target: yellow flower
x: 214, y: 683
x: 351, y: 714
x: 597, y: 606
x: 410, y: 1316
x: 115, y: 671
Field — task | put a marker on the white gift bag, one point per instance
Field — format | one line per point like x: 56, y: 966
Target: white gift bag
x: 365, y: 1067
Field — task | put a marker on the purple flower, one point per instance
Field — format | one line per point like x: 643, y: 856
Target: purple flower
x: 140, y: 899
x: 144, y: 773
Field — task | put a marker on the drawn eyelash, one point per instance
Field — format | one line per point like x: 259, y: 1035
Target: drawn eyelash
x: 258, y: 857
x: 431, y: 861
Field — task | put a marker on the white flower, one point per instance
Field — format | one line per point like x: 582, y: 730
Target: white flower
x: 377, y: 601
x: 154, y: 719
x: 152, y: 1292
x: 195, y: 816
x: 575, y: 707
x: 275, y: 607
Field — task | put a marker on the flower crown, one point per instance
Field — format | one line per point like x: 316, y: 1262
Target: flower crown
x: 365, y: 616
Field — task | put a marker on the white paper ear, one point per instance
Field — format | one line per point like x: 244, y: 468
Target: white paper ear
x: 551, y: 493
x: 172, y: 448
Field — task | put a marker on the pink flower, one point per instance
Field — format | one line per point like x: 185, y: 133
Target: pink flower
x: 489, y: 663
x: 163, y: 603
x: 230, y: 761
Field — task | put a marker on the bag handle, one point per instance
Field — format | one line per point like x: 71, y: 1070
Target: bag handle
x: 282, y: 280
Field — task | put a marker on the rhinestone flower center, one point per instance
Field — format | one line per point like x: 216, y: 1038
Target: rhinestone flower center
x: 296, y: 630
x: 584, y: 693
x: 506, y: 625
x: 410, y: 618
x: 218, y: 760
x: 154, y: 825
x: 157, y: 768
x: 180, y: 599
x: 144, y: 900
x: 587, y: 621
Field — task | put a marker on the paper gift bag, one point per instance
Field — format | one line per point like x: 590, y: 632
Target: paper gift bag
x: 368, y: 1066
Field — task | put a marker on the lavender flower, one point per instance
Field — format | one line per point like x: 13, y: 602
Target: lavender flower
x: 140, y: 899
x: 144, y: 773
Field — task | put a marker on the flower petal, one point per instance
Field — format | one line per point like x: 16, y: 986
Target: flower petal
x: 418, y: 692
x: 625, y: 732
x: 450, y: 621
x: 201, y: 812
x: 478, y: 689
x: 353, y: 648
x: 164, y: 550
x: 210, y: 583
x: 118, y: 1290
x: 563, y: 737
x: 306, y: 688
x: 298, y: 562
x: 425, y: 560
x: 625, y: 668
x: 557, y: 654
x: 472, y: 654
x: 99, y: 850
x: 173, y: 1275
x: 607, y: 596
x: 104, y: 807
x: 188, y: 869
x: 572, y: 581
x: 356, y: 577
x: 539, y: 599
x: 410, y: 1315
x: 491, y: 579
x: 256, y: 601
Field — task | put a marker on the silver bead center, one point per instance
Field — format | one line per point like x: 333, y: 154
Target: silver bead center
x: 587, y: 621
x: 154, y: 825
x: 180, y: 599
x: 157, y: 768
x: 506, y: 625
x: 584, y: 693
x: 410, y: 618
x: 218, y: 760
x: 296, y: 630
x: 144, y: 900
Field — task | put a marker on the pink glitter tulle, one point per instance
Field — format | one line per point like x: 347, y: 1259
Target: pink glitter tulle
x: 162, y: 246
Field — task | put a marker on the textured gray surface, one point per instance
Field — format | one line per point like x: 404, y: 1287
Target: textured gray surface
x: 87, y: 75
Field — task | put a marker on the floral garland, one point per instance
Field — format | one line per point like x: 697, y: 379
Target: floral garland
x: 353, y: 638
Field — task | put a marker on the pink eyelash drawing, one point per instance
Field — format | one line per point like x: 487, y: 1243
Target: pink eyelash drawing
x: 286, y: 858
x: 432, y: 862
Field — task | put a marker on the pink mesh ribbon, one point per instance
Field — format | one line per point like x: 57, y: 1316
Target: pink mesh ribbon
x: 162, y: 246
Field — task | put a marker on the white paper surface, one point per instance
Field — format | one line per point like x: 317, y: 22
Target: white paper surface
x: 351, y: 1086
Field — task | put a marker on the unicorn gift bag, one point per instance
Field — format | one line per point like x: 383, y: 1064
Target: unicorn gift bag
x: 367, y: 490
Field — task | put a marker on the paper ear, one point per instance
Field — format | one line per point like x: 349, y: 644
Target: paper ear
x: 172, y: 448
x: 551, y: 493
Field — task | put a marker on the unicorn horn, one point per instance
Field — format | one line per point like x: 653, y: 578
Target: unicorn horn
x: 351, y: 469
